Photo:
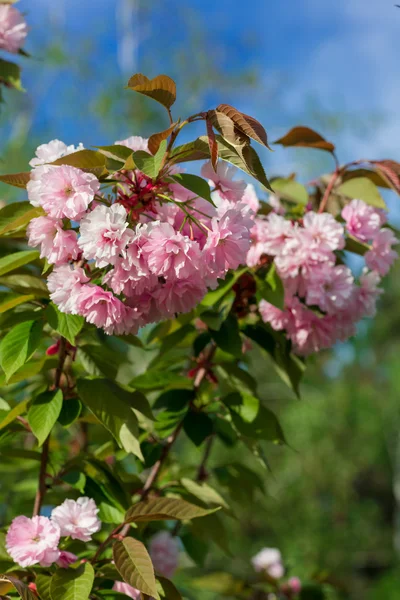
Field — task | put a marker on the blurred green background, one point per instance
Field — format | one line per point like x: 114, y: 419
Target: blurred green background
x: 332, y: 502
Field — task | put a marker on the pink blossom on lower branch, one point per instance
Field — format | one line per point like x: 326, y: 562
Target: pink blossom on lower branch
x: 269, y: 560
x: 65, y: 559
x: 33, y: 541
x: 164, y: 552
x: 47, y: 153
x: 103, y: 309
x: 65, y: 284
x: 381, y: 256
x: 57, y: 245
x: 363, y: 221
x: 77, y: 519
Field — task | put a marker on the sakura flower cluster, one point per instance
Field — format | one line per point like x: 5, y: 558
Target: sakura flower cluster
x: 323, y: 301
x: 13, y: 29
x: 36, y: 540
x: 145, y: 252
x: 269, y: 562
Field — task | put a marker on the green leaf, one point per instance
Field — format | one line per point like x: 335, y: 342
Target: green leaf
x: 26, y: 284
x: 203, y: 492
x: 354, y: 245
x: 116, y: 152
x: 75, y: 479
x: 311, y: 592
x: 22, y: 589
x: 167, y: 590
x: 164, y: 509
x: 254, y: 420
x: 10, y: 74
x: 66, y: 325
x: 4, y: 405
x: 17, y: 259
x: 224, y: 287
x: 87, y: 160
x: 9, y: 301
x: 363, y: 189
x: 102, y: 397
x: 228, y: 337
x: 148, y: 164
x: 245, y: 405
x: 44, y: 412
x: 18, y: 180
x: 134, y: 564
x: 99, y: 360
x: 271, y: 289
x: 161, y: 88
x: 290, y: 190
x: 195, y: 184
x: 195, y: 150
x: 198, y: 426
x: 155, y: 380
x: 18, y: 346
x: 43, y: 583
x: 17, y: 215
x: 18, y: 410
x: 72, y: 584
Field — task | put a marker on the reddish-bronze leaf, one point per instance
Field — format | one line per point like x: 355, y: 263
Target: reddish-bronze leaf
x: 162, y: 88
x: 156, y: 139
x: 248, y: 125
x: 212, y: 144
x: 390, y: 171
x: 228, y: 129
x: 16, y: 179
x: 306, y: 138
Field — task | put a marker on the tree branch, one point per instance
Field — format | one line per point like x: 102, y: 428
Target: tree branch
x: 41, y: 491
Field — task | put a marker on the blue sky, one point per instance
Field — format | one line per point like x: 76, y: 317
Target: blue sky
x: 332, y: 64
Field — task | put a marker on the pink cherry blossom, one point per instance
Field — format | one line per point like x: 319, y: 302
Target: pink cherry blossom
x: 47, y: 153
x: 103, y: 309
x: 128, y: 590
x: 324, y: 235
x: 65, y: 284
x: 274, y: 232
x: 135, y: 143
x: 381, y: 256
x: 329, y: 287
x: 56, y: 245
x: 367, y: 294
x: 363, y: 221
x: 269, y: 560
x: 223, y: 180
x: 77, y: 518
x: 228, y: 241
x: 308, y: 331
x: 294, y: 584
x: 65, y: 559
x: 276, y: 317
x: 33, y: 541
x: 250, y: 198
x: 62, y: 191
x: 13, y: 29
x: 164, y: 552
x: 105, y: 234
x: 170, y: 254
x: 179, y: 296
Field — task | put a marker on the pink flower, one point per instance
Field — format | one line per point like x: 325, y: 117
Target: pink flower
x: 363, y: 221
x: 103, y: 309
x: 33, y: 541
x: 164, y: 552
x: 13, y: 29
x: 105, y: 234
x: 128, y: 590
x: 329, y: 287
x: 65, y: 284
x: 65, y: 559
x: 274, y: 232
x: 269, y: 560
x: 47, y: 153
x: 367, y: 294
x: 250, y: 198
x: 276, y: 317
x: 62, y: 191
x: 170, y: 254
x: 323, y: 234
x: 135, y: 143
x: 223, y: 180
x: 294, y: 584
x: 179, y: 296
x: 308, y: 331
x: 77, y: 518
x: 57, y: 245
x: 276, y: 204
x: 381, y: 256
x: 228, y: 241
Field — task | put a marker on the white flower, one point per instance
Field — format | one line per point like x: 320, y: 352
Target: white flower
x: 77, y: 519
x: 269, y: 560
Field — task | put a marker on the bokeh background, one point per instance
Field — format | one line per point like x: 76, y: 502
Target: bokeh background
x: 332, y: 502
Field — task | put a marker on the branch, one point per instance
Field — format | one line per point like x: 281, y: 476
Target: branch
x: 41, y: 491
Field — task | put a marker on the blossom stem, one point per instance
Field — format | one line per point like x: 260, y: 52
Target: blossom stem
x: 329, y: 189
x: 41, y: 491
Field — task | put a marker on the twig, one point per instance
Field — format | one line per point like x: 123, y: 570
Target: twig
x: 328, y: 189
x: 41, y: 491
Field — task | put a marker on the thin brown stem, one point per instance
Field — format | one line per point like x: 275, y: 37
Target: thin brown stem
x: 104, y: 544
x: 329, y: 189
x: 41, y: 491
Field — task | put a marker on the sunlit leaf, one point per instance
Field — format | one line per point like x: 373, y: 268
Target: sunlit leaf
x: 13, y: 261
x: 134, y: 564
x: 44, y: 412
x: 17, y: 215
x: 290, y: 190
x: 162, y: 88
x: 248, y: 125
x: 156, y: 139
x: 162, y: 509
x: 363, y: 189
x: 306, y: 138
x: 18, y: 345
x: 72, y: 584
x: 195, y: 184
x: 66, y: 325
